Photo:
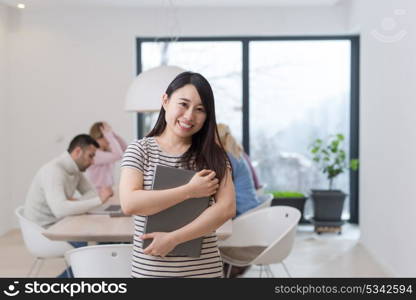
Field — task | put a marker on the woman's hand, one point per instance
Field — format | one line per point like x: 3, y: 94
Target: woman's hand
x: 105, y: 193
x: 162, y: 244
x: 203, y: 184
x: 105, y: 128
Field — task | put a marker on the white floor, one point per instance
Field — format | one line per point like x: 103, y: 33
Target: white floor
x: 313, y: 255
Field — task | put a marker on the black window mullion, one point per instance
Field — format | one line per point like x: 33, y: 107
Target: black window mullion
x: 140, y: 116
x: 246, y: 102
x: 354, y: 127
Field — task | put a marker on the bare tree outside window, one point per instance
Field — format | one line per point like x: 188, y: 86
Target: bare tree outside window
x: 219, y: 62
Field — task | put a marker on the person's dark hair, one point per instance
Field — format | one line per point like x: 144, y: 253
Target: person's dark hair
x: 83, y: 141
x: 206, y: 151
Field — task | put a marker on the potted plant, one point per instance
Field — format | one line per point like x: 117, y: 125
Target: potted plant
x: 290, y: 198
x: 332, y: 161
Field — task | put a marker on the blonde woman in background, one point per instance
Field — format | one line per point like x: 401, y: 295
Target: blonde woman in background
x: 242, y: 173
x: 111, y: 150
x: 245, y: 191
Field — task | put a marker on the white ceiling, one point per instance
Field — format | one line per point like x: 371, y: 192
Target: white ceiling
x: 165, y: 3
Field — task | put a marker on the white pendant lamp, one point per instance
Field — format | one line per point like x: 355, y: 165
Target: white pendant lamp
x: 146, y: 90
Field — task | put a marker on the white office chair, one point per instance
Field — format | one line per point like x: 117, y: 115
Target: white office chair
x: 103, y: 261
x: 37, y: 244
x: 266, y: 201
x: 263, y: 237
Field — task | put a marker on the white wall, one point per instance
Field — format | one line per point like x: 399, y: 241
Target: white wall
x: 70, y: 68
x: 4, y: 134
x: 387, y: 132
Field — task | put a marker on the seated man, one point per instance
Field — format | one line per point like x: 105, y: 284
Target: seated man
x: 51, y: 194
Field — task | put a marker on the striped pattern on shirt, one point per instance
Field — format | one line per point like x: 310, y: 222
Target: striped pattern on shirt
x: 144, y: 155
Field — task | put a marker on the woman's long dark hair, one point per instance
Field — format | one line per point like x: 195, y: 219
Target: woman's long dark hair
x: 206, y: 151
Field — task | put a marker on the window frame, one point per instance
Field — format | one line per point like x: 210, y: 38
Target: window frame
x: 354, y: 92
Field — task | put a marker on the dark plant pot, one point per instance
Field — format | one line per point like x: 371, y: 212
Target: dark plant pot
x: 298, y: 203
x: 328, y: 204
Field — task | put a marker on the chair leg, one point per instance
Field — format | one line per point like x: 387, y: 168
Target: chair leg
x: 269, y: 271
x: 34, y: 264
x: 41, y: 260
x: 230, y: 266
x: 68, y: 275
x: 286, y: 269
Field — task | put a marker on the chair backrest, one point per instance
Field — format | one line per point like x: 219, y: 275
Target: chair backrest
x: 101, y: 261
x: 37, y: 244
x: 272, y: 227
x: 265, y: 201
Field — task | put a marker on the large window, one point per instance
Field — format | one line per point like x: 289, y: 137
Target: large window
x: 277, y: 95
x: 299, y: 90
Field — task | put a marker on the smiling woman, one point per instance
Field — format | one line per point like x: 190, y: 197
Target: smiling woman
x: 190, y: 123
x: 186, y: 111
x: 184, y: 137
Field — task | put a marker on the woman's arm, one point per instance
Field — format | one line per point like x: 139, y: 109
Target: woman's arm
x: 120, y: 141
x: 213, y: 217
x: 136, y: 201
x: 106, y: 157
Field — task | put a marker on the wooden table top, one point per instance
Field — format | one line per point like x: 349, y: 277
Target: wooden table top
x: 103, y: 228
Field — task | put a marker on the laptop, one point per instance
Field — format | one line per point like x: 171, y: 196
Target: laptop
x: 178, y: 215
x: 106, y: 209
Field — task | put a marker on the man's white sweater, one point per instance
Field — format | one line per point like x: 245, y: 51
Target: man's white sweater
x: 55, y: 183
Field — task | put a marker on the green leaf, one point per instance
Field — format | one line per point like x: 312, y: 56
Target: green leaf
x: 354, y: 164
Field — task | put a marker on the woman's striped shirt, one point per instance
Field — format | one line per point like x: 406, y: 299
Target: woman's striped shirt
x: 144, y: 155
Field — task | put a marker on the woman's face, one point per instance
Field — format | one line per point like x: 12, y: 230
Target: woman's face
x: 185, y: 114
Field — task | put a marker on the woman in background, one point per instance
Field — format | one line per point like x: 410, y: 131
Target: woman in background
x: 112, y: 147
x: 242, y: 174
x: 243, y: 181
